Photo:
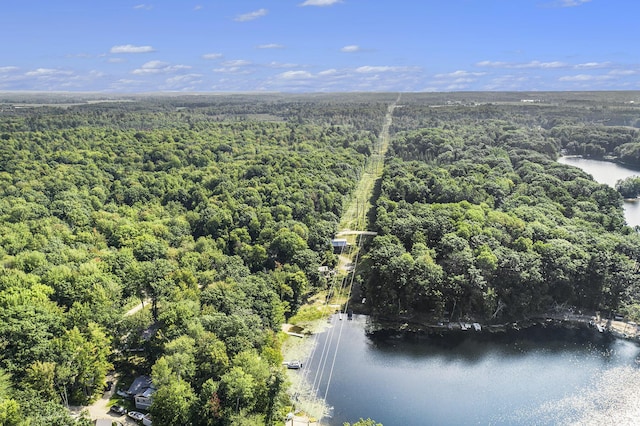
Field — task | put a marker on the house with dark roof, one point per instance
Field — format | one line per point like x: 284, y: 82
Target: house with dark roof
x: 142, y: 390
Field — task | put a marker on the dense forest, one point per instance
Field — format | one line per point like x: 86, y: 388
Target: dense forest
x: 217, y: 212
x: 476, y: 219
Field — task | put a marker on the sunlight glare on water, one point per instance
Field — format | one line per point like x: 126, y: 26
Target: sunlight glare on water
x: 612, y: 398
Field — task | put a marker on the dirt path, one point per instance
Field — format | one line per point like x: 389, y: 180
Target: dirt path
x: 354, y: 216
x: 137, y: 308
x: 100, y: 408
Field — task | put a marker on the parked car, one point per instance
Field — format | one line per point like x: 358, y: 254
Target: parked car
x: 135, y: 415
x: 146, y: 420
x: 118, y: 409
x: 108, y: 386
x: 294, y: 365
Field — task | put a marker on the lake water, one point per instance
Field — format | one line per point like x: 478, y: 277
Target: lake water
x: 608, y: 173
x: 539, y: 376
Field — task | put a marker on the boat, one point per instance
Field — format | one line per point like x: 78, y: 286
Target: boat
x: 477, y: 326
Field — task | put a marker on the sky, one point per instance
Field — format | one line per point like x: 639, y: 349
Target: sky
x: 130, y: 46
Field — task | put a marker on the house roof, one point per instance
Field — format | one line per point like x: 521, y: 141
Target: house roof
x: 147, y: 392
x: 140, y: 384
x: 339, y: 242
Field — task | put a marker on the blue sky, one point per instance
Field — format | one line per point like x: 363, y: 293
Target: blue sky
x: 319, y: 45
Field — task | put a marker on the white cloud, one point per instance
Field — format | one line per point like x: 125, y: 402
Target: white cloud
x: 47, y: 72
x: 8, y: 69
x: 331, y: 71
x: 130, y: 48
x: 11, y: 78
x: 197, y: 7
x: 251, y: 15
x: 125, y: 84
x: 270, y: 46
x: 453, y: 87
x: 374, y: 69
x: 236, y: 63
x: 623, y: 72
x: 96, y: 73
x: 523, y: 65
x: 127, y: 81
x: 492, y: 64
x: 78, y: 55
x: 185, y: 78
x: 295, y: 75
x: 538, y: 64
x: 232, y: 70
x: 591, y: 65
x: 115, y: 60
x: 320, y: 2
x: 159, y: 67
x: 350, y: 48
x: 572, y: 3
x: 274, y: 64
x: 585, y: 77
x: 143, y: 7
x: 507, y: 82
x: 460, y: 74
x: 183, y: 82
x: 210, y: 56
x: 366, y: 78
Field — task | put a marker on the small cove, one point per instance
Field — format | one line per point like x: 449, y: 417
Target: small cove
x: 608, y: 173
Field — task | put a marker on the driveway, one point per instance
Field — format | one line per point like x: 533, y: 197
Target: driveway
x: 100, y: 408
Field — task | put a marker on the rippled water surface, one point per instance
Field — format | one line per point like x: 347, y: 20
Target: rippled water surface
x: 539, y: 376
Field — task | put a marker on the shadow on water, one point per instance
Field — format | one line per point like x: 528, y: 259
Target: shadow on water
x: 471, y: 346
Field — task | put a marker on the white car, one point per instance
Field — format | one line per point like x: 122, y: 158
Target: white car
x: 135, y: 415
x: 294, y: 365
x: 146, y: 420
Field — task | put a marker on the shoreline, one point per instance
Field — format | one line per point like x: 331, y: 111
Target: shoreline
x: 617, y: 328
x: 299, y: 345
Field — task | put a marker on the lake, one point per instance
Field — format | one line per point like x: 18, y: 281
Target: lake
x: 538, y: 376
x: 608, y: 173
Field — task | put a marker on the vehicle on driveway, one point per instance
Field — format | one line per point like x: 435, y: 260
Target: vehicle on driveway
x: 118, y: 409
x: 135, y: 415
x: 294, y: 365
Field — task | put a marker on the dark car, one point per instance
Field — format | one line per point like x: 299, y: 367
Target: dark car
x: 108, y: 386
x: 118, y: 409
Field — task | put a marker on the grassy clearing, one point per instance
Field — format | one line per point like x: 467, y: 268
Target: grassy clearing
x: 310, y: 313
x: 354, y: 216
